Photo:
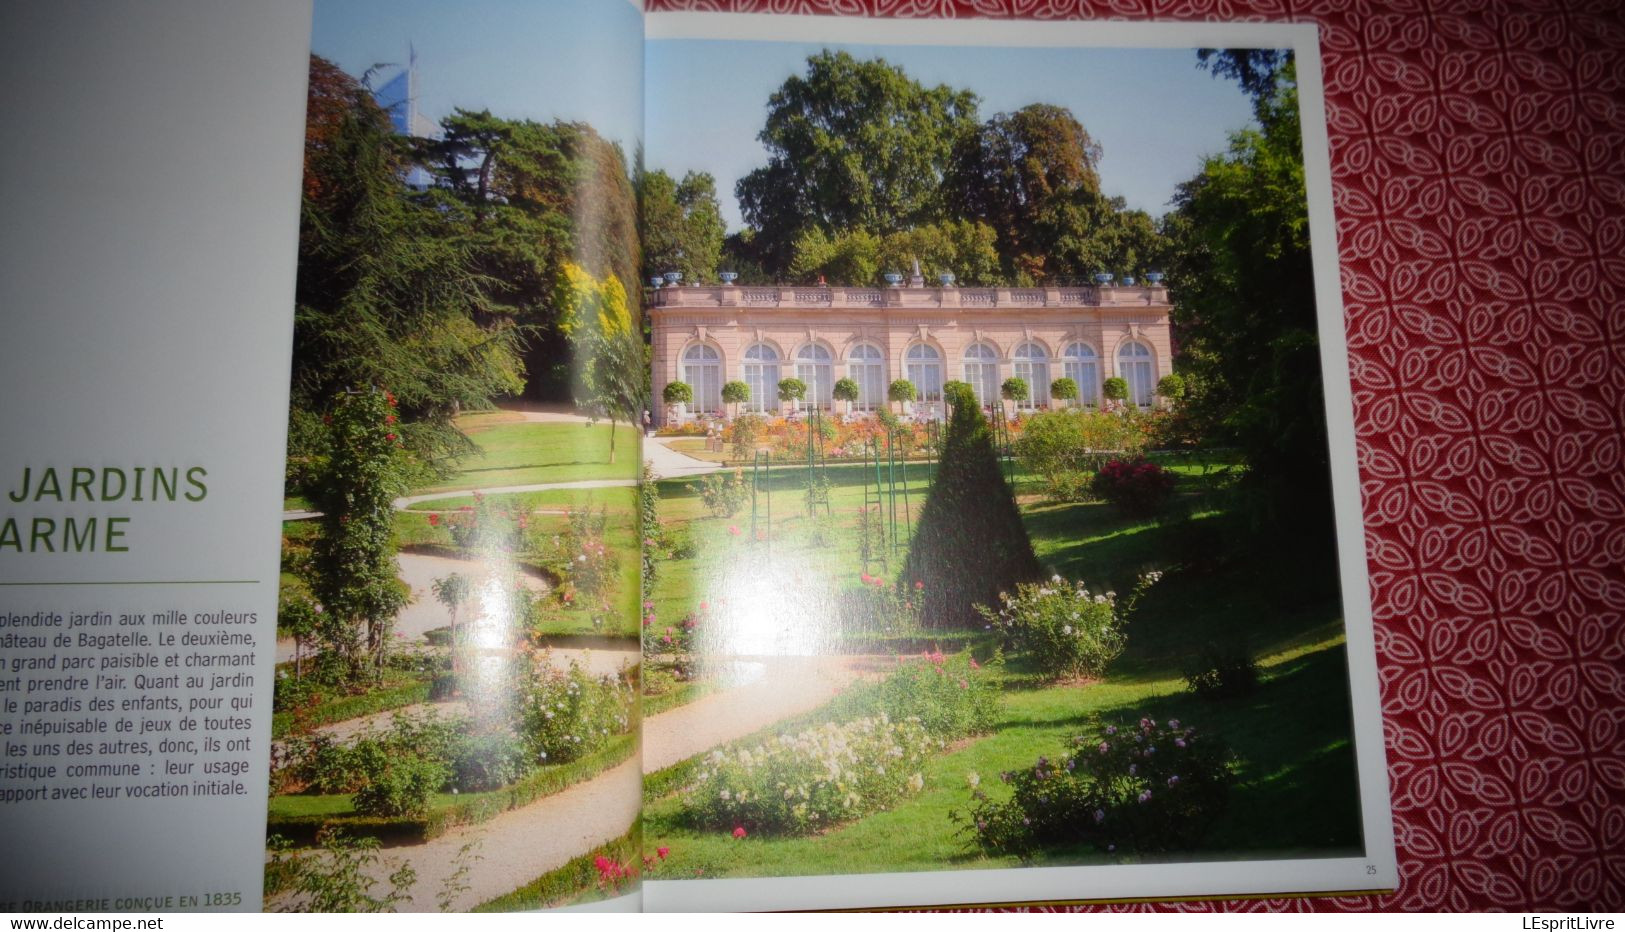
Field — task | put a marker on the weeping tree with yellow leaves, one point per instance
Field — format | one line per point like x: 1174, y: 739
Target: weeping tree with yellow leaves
x: 610, y: 368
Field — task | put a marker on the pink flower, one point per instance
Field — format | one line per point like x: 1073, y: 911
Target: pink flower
x: 662, y: 851
x: 918, y: 585
x: 739, y: 831
x: 733, y: 529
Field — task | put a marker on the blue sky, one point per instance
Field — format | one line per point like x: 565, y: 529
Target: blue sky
x: 1154, y: 113
x: 522, y: 59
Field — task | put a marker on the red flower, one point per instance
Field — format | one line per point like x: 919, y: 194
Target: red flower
x: 390, y: 437
x: 389, y: 419
x: 434, y: 519
x: 662, y: 851
x: 739, y: 831
x: 918, y: 585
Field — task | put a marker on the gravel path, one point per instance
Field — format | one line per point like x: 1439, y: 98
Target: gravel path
x: 669, y: 463
x: 787, y: 686
x: 425, y: 613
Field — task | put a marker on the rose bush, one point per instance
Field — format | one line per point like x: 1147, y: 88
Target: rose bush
x: 798, y: 784
x: 1066, y: 629
x: 1138, y: 487
x: 1143, y: 788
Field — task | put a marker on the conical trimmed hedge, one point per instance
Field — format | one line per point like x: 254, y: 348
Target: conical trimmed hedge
x: 970, y: 544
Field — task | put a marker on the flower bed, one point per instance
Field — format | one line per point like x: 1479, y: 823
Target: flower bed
x: 949, y: 695
x: 798, y: 784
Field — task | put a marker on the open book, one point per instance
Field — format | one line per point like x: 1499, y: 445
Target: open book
x: 731, y: 462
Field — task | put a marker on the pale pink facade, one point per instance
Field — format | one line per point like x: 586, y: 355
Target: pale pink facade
x: 707, y: 336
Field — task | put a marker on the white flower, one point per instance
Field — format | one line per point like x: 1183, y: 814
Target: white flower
x: 1066, y: 629
x: 974, y: 779
x: 726, y: 795
x: 1056, y: 579
x: 916, y: 783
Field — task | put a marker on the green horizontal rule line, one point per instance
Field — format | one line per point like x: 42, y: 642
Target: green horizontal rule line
x: 142, y: 582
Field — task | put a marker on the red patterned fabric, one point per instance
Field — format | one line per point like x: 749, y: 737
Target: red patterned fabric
x: 1478, y: 173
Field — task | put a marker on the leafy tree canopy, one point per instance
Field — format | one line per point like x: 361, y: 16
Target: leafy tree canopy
x: 682, y: 225
x: 852, y: 145
x: 388, y: 294
x: 1244, y: 294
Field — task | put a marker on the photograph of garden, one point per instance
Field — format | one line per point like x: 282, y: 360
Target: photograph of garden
x: 990, y: 522
x: 456, y: 704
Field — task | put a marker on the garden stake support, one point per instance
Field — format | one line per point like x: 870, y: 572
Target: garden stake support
x: 891, y: 487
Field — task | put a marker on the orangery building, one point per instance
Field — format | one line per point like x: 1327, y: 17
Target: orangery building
x: 707, y: 336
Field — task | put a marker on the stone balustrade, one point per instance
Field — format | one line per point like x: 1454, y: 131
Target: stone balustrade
x: 816, y: 296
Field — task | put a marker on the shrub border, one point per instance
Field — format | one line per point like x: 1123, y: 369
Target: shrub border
x: 542, y: 783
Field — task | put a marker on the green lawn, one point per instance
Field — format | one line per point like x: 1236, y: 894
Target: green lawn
x: 526, y: 453
x: 1296, y: 793
x: 1295, y: 796
x: 620, y: 532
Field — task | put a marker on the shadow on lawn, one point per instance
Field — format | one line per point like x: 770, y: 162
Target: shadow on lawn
x: 1297, y: 791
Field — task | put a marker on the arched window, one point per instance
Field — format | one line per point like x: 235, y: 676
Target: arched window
x: 1032, y: 366
x: 813, y: 367
x: 762, y: 375
x: 982, y: 372
x: 1079, y: 364
x: 1134, y: 364
x: 866, y: 365
x: 702, y: 370
x: 923, y: 367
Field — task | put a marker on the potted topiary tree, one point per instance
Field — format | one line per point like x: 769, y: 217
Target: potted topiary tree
x: 792, y: 390
x: 1114, y: 390
x: 901, y: 392
x: 735, y: 393
x: 677, y: 396
x: 1063, y: 389
x: 845, y: 390
x: 1014, y: 389
x: 1171, y: 387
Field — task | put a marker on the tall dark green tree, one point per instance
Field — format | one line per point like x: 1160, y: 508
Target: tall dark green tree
x: 970, y: 544
x: 1019, y: 173
x: 681, y: 223
x: 389, y: 293
x: 524, y: 199
x: 1244, y: 301
x: 852, y: 145
x: 1032, y: 176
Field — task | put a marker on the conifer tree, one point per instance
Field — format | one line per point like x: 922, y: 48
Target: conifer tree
x: 970, y: 544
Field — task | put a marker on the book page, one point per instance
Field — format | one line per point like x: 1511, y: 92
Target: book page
x: 319, y: 567
x: 149, y: 292
x: 1007, y: 532
x: 456, y: 705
